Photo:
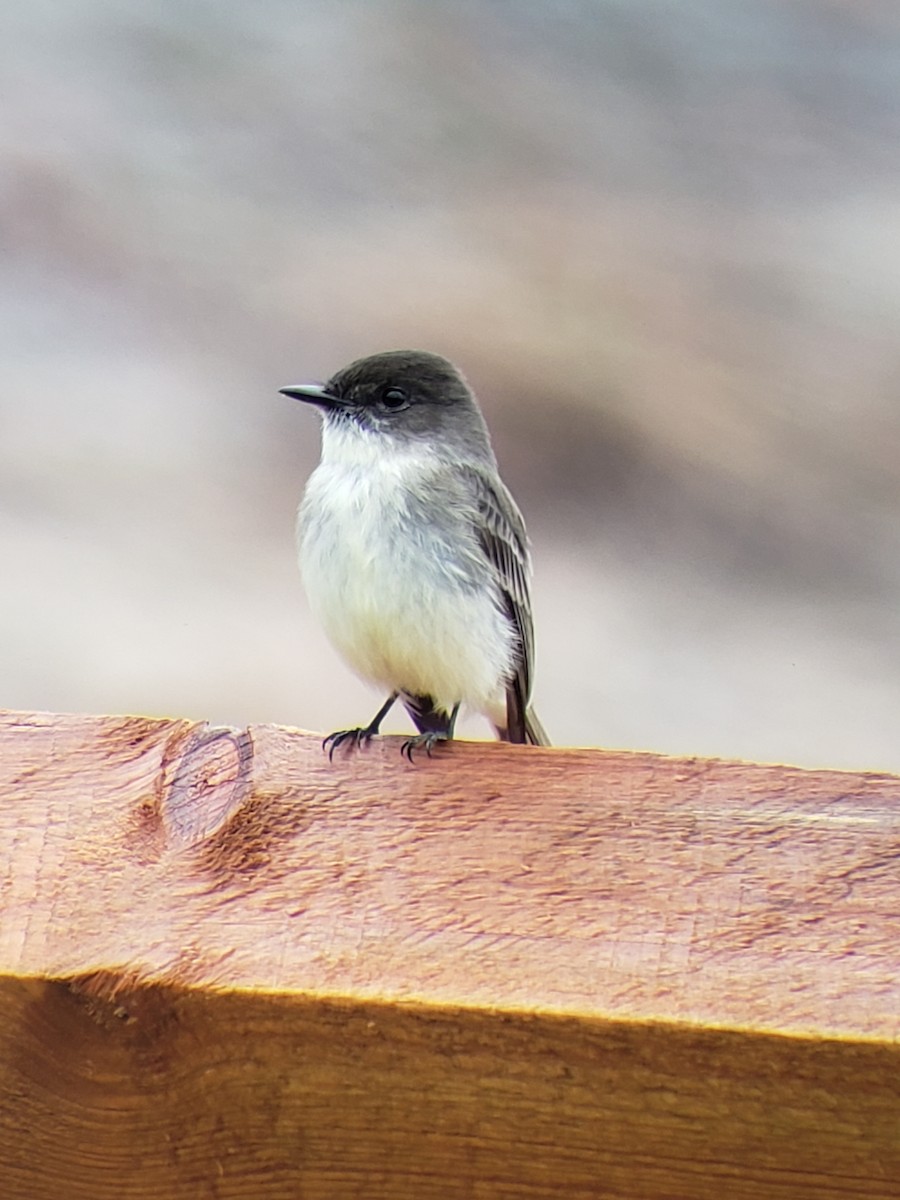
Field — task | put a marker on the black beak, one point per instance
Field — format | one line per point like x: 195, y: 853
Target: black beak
x: 312, y: 393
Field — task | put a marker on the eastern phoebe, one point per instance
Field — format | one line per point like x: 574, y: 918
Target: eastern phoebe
x: 413, y: 553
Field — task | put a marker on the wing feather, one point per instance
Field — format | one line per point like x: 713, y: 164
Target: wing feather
x: 501, y: 532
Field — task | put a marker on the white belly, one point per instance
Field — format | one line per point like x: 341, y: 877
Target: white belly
x: 397, y: 603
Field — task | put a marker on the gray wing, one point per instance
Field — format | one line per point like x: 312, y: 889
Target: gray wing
x: 501, y: 531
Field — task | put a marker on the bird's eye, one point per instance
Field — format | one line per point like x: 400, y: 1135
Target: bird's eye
x: 394, y: 399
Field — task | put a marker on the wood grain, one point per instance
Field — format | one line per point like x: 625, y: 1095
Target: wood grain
x: 229, y: 968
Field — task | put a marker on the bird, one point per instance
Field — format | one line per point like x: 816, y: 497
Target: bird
x: 413, y: 552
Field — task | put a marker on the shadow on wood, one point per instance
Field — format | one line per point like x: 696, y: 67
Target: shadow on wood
x: 229, y: 968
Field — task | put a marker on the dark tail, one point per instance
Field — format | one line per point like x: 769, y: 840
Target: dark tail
x: 535, y: 733
x: 523, y: 728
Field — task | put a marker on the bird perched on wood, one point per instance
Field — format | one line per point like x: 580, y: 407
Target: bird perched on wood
x: 413, y: 552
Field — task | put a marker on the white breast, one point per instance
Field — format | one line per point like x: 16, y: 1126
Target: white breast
x: 394, y: 600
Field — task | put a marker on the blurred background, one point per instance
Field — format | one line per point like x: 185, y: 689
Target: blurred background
x: 661, y: 238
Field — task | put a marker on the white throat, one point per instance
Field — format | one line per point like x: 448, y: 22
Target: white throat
x: 348, y: 446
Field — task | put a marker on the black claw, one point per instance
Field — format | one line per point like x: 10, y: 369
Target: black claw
x: 424, y: 741
x: 357, y: 737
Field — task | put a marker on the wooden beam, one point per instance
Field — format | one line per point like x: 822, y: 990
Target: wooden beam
x: 231, y: 968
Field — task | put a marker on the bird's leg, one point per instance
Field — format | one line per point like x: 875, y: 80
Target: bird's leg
x: 358, y: 737
x: 429, y: 738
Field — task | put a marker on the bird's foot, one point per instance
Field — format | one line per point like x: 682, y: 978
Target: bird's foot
x: 360, y: 736
x: 351, y: 738
x: 424, y: 741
